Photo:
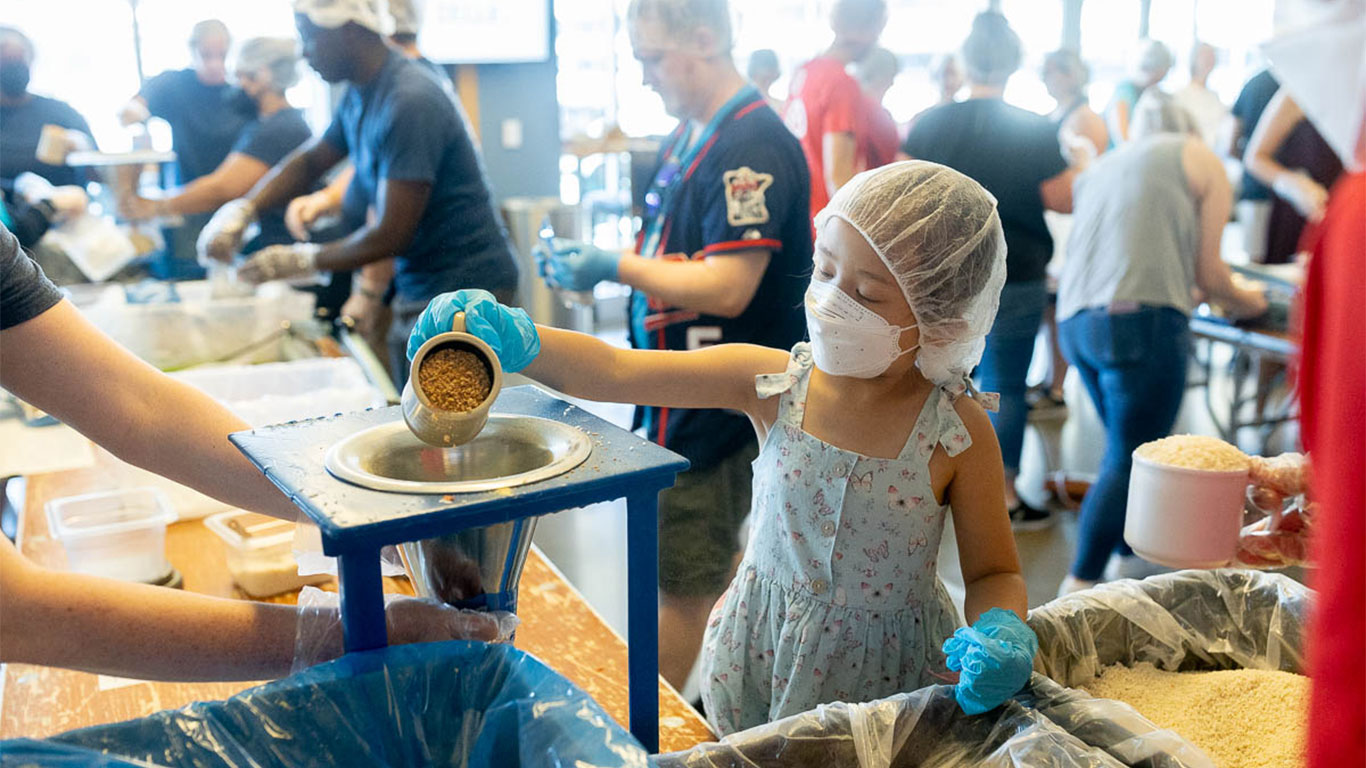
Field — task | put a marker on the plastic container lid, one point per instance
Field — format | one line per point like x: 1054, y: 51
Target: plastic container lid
x: 109, y: 513
x: 250, y: 531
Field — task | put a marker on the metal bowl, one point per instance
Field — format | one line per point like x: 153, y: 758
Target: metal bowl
x: 511, y: 451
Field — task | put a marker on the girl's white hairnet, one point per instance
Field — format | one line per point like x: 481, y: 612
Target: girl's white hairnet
x: 939, y: 234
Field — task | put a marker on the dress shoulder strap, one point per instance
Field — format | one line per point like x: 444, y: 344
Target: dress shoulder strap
x: 938, y: 424
x: 790, y: 385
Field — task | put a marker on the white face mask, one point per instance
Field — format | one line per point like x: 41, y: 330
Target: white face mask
x: 847, y: 338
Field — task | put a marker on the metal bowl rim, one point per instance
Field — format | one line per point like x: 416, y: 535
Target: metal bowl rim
x: 580, y: 448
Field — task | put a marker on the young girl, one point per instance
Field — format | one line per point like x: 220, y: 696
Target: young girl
x: 867, y: 443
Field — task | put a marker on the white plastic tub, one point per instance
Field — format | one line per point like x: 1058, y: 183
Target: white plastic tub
x: 1184, y: 518
x: 119, y: 535
x: 260, y: 556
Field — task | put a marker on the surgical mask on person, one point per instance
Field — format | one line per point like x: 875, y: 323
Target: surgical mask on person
x: 14, y: 77
x: 847, y: 338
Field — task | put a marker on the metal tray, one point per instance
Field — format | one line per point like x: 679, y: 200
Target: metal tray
x: 512, y: 450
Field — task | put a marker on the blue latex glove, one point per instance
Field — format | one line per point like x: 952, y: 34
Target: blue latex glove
x: 574, y: 266
x: 994, y: 656
x: 509, y: 331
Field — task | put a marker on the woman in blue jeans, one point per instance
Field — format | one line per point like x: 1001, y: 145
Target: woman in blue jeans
x: 1146, y: 230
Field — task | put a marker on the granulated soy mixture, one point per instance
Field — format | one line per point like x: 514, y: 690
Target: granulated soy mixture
x: 454, y: 379
x: 1195, y: 452
x: 1241, y: 718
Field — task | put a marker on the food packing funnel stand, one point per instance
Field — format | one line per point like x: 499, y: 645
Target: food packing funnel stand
x: 356, y: 522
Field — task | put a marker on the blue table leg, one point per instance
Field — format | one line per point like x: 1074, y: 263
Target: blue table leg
x: 362, y: 601
x: 642, y: 622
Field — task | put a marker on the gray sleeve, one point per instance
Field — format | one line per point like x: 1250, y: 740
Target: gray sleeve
x: 25, y: 292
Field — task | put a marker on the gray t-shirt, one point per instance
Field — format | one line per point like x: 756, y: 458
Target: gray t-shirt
x: 1135, y: 230
x: 25, y: 292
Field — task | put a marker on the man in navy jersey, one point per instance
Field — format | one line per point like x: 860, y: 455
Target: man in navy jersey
x: 724, y: 255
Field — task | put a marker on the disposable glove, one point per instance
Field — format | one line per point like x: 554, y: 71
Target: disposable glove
x: 994, y: 658
x: 281, y: 262
x: 1282, y: 537
x: 303, y: 211
x: 318, y: 636
x: 222, y: 237
x: 508, y: 331
x: 574, y: 266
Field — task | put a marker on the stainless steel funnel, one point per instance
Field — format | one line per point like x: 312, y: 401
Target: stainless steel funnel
x: 477, y: 568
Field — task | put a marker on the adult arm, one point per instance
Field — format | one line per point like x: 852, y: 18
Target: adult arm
x: 398, y: 211
x: 717, y: 284
x: 296, y: 174
x: 1119, y: 121
x: 63, y: 619
x: 986, y: 546
x: 1293, y: 185
x: 1208, y: 181
x: 1090, y: 126
x: 134, y: 111
x: 303, y: 211
x: 1057, y: 191
x: 61, y: 363
x: 840, y: 158
x: 233, y: 178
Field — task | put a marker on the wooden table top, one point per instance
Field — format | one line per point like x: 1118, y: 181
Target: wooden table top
x: 558, y: 626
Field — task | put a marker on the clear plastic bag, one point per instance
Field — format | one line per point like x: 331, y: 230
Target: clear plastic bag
x: 1191, y: 620
x: 456, y: 703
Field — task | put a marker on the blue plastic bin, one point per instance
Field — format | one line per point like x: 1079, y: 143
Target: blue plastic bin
x: 456, y: 704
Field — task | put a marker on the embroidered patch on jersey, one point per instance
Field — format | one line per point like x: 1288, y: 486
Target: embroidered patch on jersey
x: 745, y: 204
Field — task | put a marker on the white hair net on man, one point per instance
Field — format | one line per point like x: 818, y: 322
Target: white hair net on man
x: 278, y: 56
x: 940, y: 235
x: 330, y: 14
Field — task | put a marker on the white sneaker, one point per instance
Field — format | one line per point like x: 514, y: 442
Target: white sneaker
x: 1071, y: 584
x: 1132, y: 567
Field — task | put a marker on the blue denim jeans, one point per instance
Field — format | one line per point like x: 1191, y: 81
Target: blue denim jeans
x: 1134, y: 367
x: 1005, y: 362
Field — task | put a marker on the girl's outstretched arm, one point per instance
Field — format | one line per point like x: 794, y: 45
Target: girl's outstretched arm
x: 714, y: 377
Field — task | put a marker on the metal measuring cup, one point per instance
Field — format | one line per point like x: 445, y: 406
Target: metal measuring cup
x: 442, y: 428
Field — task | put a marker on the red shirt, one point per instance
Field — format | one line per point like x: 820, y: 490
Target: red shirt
x: 1333, y: 399
x: 876, y: 136
x: 824, y: 99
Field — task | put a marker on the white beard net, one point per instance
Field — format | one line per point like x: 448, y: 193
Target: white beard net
x: 939, y: 234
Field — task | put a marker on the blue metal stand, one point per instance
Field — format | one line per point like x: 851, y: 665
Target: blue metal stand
x: 356, y: 522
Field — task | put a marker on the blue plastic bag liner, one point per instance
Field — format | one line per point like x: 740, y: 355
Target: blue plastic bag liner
x: 451, y: 704
x: 1191, y: 620
x: 28, y: 753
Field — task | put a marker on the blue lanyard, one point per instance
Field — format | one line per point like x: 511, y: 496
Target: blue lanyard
x: 671, y: 173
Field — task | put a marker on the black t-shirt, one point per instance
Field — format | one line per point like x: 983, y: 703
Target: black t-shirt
x: 270, y: 139
x: 1008, y: 150
x: 748, y: 187
x: 204, y: 122
x: 25, y: 292
x: 21, y: 126
x: 1251, y: 103
x: 406, y: 126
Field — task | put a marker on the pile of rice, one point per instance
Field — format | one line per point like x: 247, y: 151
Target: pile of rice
x: 1241, y: 718
x: 1195, y: 452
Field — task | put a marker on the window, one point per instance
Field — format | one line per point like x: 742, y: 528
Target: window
x: 93, y: 64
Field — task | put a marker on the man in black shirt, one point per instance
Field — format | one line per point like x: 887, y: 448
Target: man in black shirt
x: 1015, y: 154
x: 23, y: 115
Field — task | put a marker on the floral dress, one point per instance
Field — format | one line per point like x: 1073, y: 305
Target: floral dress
x: 837, y: 598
